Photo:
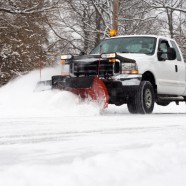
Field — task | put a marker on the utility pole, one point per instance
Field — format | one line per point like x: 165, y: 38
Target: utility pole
x: 115, y: 14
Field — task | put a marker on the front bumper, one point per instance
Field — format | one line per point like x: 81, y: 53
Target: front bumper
x: 128, y: 79
x: 122, y: 87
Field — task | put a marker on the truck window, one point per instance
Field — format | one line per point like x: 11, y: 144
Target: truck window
x: 139, y: 45
x: 177, y: 51
x: 163, y: 47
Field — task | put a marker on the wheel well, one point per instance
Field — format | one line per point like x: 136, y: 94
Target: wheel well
x: 148, y: 76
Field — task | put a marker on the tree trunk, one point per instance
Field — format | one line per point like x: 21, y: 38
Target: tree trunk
x: 115, y: 14
x: 98, y: 27
x: 170, y: 22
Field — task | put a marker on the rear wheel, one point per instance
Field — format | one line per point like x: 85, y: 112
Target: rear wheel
x: 143, y: 101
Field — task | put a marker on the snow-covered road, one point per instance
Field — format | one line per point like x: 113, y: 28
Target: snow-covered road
x: 51, y: 139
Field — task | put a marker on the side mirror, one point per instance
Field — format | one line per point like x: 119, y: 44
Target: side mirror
x: 171, y: 53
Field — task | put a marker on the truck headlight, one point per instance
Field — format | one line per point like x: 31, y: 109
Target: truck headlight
x: 108, y: 56
x: 129, y: 68
x: 65, y: 57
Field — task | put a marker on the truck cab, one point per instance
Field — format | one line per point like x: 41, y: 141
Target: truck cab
x: 151, y: 55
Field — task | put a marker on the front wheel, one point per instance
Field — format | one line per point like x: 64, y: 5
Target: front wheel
x: 131, y: 106
x: 143, y: 101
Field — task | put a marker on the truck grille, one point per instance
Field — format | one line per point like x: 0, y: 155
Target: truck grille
x: 106, y: 68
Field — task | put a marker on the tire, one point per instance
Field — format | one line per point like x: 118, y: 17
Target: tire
x: 143, y: 101
x: 131, y: 106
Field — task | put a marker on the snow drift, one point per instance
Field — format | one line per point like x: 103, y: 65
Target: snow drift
x: 20, y: 98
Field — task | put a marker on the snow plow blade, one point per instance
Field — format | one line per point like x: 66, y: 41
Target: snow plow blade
x: 86, y: 87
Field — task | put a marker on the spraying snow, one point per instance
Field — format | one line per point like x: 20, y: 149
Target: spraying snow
x: 20, y: 98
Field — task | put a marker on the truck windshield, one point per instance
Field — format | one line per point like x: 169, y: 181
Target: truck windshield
x: 139, y: 45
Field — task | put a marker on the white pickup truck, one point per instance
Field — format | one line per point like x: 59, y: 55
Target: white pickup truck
x: 137, y: 70
x: 159, y: 71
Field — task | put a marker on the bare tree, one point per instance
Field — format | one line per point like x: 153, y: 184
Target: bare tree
x: 171, y: 17
x: 86, y: 23
x: 174, y: 5
x: 17, y: 7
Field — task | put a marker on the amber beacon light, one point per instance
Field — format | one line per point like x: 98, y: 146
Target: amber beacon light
x: 113, y: 32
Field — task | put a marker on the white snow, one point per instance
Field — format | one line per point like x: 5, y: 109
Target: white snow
x: 51, y: 138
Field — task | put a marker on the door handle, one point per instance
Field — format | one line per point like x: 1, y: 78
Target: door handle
x: 176, y: 68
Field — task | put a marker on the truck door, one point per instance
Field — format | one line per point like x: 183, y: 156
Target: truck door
x: 171, y: 73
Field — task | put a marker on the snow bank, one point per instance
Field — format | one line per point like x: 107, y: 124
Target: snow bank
x: 19, y: 98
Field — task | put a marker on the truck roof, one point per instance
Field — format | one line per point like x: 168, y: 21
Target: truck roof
x: 156, y: 36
